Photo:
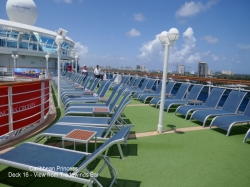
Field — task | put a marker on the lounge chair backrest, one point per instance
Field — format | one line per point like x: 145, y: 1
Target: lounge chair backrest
x: 118, y: 137
x: 144, y: 84
x: 169, y: 87
x: 137, y: 82
x: 150, y: 84
x: 94, y: 84
x: 105, y: 89
x: 182, y: 91
x: 233, y: 101
x: 85, y: 82
x: 132, y: 81
x: 125, y: 80
x: 247, y: 110
x: 111, y: 97
x: 214, y: 97
x: 195, y: 91
x: 113, y: 79
x: 117, y: 97
x: 158, y: 89
x: 117, y: 114
x: 91, y: 83
x: 99, y: 91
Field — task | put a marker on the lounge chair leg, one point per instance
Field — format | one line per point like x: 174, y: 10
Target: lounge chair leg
x: 112, y: 170
x: 120, y: 150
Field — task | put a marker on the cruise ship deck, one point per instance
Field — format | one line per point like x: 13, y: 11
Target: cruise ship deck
x: 185, y: 154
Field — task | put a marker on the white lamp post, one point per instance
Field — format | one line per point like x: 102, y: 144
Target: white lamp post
x: 14, y: 57
x: 76, y: 57
x: 167, y: 39
x: 47, y: 62
x: 59, y: 40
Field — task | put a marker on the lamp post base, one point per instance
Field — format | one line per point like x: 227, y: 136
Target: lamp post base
x: 159, y: 129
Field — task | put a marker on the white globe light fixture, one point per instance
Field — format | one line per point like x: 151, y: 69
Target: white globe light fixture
x: 15, y: 58
x: 59, y: 40
x: 167, y: 39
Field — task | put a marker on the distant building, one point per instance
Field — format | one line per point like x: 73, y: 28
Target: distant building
x: 192, y: 72
x: 138, y: 67
x: 227, y: 72
x: 202, y: 69
x: 210, y: 72
x: 181, y: 70
x: 108, y: 67
x: 143, y: 68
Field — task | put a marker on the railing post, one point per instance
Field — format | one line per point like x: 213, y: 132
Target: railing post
x: 10, y: 107
x: 42, y: 100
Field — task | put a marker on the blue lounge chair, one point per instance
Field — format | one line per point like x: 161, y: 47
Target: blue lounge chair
x: 73, y: 93
x: 125, y: 80
x: 146, y: 87
x: 227, y: 122
x: 100, y: 109
x: 96, y: 121
x: 29, y: 156
x: 193, y: 95
x: 247, y: 136
x: 65, y: 126
x: 179, y: 95
x: 230, y: 107
x: 135, y: 86
x: 211, y: 103
x: 157, y: 93
x: 96, y: 97
x: 111, y: 97
x: 130, y: 82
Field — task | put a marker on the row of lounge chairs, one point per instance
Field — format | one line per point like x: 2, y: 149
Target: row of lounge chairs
x: 224, y: 117
x: 46, y: 159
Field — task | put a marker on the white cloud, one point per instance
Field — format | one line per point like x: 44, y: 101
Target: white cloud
x: 81, y: 49
x: 206, y: 53
x: 139, y: 17
x: 133, y: 32
x: 152, y: 51
x: 192, y: 8
x: 66, y: 1
x: 214, y: 57
x: 210, y: 39
x: 243, y: 46
x: 108, y: 60
x: 193, y: 58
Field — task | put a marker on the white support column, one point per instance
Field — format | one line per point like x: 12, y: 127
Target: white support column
x: 164, y: 78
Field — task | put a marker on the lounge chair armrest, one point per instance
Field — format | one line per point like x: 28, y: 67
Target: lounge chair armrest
x: 135, y: 87
x: 103, y: 99
x: 195, y: 102
x: 148, y: 90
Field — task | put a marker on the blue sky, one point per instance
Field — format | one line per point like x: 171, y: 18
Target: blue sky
x: 125, y: 32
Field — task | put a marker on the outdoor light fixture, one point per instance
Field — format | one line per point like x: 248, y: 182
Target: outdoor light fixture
x: 61, y: 34
x: 47, y: 62
x: 167, y: 39
x: 14, y: 57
